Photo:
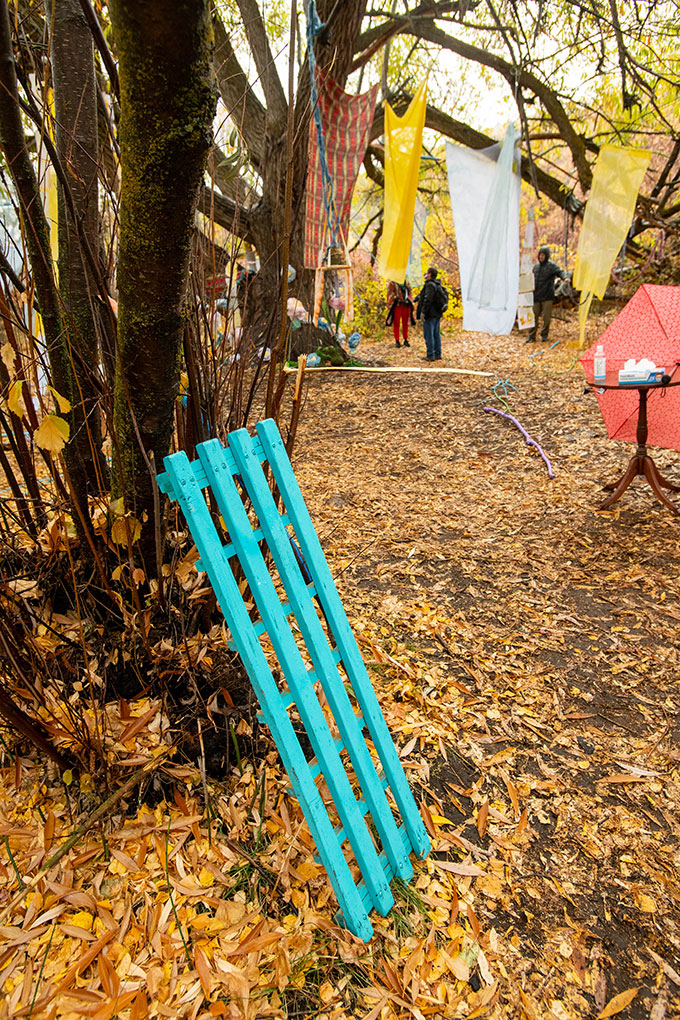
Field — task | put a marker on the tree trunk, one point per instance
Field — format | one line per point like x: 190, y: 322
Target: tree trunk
x: 334, y: 53
x: 23, y: 175
x: 167, y: 106
x: 76, y: 136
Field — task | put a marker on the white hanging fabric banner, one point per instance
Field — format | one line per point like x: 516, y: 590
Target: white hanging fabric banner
x: 484, y: 185
x: 414, y: 271
x: 525, y: 301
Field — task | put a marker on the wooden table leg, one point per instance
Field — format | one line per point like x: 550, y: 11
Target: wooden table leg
x: 623, y: 483
x: 642, y: 464
x: 664, y: 483
x: 610, y: 486
x: 653, y: 477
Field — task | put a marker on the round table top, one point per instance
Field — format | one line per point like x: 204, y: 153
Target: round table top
x: 611, y: 382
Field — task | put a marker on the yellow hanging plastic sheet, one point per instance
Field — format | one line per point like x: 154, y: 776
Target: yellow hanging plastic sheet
x: 52, y: 201
x: 617, y: 177
x: 53, y: 213
x: 403, y: 144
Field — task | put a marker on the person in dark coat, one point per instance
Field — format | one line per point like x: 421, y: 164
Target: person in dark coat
x: 428, y: 311
x: 545, y: 273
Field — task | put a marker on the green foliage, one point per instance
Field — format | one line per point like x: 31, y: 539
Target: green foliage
x: 330, y: 355
x: 455, y: 309
x: 370, y: 303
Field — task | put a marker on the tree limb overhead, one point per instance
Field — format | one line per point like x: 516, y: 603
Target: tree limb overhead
x: 243, y: 107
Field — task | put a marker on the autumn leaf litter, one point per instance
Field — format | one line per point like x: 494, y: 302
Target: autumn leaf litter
x: 525, y: 651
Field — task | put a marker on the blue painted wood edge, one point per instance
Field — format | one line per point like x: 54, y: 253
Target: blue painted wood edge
x: 220, y: 476
x: 322, y: 656
x: 164, y: 480
x: 297, y: 511
x: 192, y: 502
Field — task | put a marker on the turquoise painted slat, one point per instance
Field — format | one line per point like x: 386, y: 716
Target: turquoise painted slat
x: 275, y: 452
x: 273, y: 526
x: 260, y: 628
x: 364, y: 808
x: 188, y: 493
x: 217, y: 468
x: 228, y: 550
x: 315, y: 768
x: 221, y: 480
x: 164, y: 481
x: 363, y: 891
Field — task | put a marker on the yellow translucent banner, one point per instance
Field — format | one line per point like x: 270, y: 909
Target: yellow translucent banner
x: 53, y: 213
x: 617, y: 177
x: 403, y: 144
x: 51, y: 189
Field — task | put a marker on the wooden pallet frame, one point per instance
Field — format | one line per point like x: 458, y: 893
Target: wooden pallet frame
x: 380, y: 840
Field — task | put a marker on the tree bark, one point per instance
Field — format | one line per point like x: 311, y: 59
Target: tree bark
x: 76, y: 136
x: 19, y: 164
x: 167, y: 107
x: 242, y: 105
x: 334, y: 51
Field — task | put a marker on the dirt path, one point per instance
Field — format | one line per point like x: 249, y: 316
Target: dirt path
x: 539, y: 641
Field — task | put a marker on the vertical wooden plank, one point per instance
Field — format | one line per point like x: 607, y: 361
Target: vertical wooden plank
x: 275, y: 451
x: 274, y: 530
x: 192, y: 503
x: 262, y: 587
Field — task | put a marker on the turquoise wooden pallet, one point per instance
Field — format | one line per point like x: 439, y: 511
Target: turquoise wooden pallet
x: 376, y: 832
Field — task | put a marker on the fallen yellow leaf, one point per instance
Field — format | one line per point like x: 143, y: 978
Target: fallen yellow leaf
x: 326, y: 992
x: 618, y: 1003
x: 646, y: 903
x: 83, y: 919
x: 205, y: 878
x: 307, y: 870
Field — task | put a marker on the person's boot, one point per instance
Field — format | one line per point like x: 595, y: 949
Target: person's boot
x: 406, y: 343
x: 530, y: 339
x: 397, y: 344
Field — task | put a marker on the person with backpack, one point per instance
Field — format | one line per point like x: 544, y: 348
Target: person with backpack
x: 433, y: 301
x: 545, y: 274
x: 400, y: 302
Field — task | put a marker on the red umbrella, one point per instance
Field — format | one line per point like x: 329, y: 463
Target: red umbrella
x: 647, y: 327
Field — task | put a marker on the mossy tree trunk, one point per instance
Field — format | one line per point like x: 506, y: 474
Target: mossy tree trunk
x: 167, y: 106
x: 75, y: 100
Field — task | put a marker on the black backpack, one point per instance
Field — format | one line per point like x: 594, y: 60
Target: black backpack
x: 440, y: 300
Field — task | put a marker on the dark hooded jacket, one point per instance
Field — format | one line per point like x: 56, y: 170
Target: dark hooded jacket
x: 427, y: 300
x: 544, y: 277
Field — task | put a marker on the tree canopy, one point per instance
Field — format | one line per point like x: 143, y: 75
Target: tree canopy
x: 575, y: 76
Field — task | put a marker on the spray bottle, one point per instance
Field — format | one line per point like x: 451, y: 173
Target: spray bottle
x: 599, y: 363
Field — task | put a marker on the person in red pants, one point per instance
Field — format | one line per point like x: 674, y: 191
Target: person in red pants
x: 400, y: 314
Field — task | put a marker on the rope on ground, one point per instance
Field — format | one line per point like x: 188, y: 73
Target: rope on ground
x: 529, y: 440
x: 290, y: 370
x: 504, y: 383
x: 563, y: 371
x: 544, y: 350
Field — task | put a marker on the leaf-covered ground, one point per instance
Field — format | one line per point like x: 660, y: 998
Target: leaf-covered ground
x: 525, y: 650
x: 562, y: 624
